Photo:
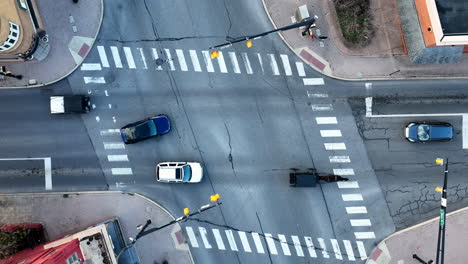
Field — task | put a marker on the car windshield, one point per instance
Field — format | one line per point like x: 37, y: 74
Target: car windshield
x: 146, y: 129
x: 423, y: 132
x: 129, y: 133
x: 187, y: 173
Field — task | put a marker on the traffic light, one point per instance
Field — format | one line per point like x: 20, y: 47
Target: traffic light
x: 186, y: 211
x: 214, y: 54
x: 439, y: 161
x: 248, y: 43
x: 214, y: 198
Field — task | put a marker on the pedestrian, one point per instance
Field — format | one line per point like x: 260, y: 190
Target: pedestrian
x: 332, y: 178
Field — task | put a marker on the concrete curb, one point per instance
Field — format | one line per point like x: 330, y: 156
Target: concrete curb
x: 376, y: 78
x: 382, y: 245
x: 103, y: 192
x: 76, y: 67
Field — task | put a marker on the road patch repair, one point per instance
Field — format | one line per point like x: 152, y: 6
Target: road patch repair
x: 464, y: 117
x: 47, y: 161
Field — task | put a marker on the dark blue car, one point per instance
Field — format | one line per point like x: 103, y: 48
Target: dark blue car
x: 144, y: 129
x: 428, y: 131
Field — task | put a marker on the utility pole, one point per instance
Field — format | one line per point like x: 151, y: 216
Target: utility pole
x: 443, y: 209
x: 143, y: 232
x: 308, y: 22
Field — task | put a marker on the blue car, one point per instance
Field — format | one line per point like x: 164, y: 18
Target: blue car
x: 144, y: 129
x: 428, y: 131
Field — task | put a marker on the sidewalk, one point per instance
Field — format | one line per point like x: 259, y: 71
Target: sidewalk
x: 61, y: 215
x: 383, y: 58
x: 72, y: 29
x: 422, y: 240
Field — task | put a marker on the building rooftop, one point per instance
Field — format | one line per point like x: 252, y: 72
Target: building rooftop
x: 453, y: 16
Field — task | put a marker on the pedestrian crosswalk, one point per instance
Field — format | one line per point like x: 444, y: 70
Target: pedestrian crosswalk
x: 192, y: 60
x: 280, y: 244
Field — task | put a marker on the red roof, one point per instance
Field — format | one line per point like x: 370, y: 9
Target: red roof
x: 39, y: 255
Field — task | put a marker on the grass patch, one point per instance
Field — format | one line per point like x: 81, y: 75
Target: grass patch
x: 355, y: 20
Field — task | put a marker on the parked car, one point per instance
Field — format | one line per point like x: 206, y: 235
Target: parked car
x: 65, y: 104
x: 144, y: 129
x: 179, y: 172
x: 428, y: 131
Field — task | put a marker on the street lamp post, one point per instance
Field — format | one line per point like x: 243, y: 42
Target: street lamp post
x: 309, y: 22
x: 143, y: 232
x: 443, y: 209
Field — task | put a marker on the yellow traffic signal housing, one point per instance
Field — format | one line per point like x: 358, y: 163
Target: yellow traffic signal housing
x: 214, y: 54
x: 186, y: 211
x: 214, y: 198
x: 248, y: 43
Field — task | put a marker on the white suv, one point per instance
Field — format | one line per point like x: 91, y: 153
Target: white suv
x: 179, y: 172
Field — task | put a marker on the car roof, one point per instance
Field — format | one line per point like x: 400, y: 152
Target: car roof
x: 167, y: 170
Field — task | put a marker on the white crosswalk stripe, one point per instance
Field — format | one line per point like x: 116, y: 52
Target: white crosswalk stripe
x: 203, y: 233
x: 143, y: 58
x: 98, y: 80
x: 155, y: 55
x: 245, y: 241
x: 192, y: 237
x: 284, y: 245
x: 313, y: 81
x: 343, y: 172
x: 356, y: 210
x: 129, y: 57
x: 326, y: 120
x: 362, y: 250
x: 348, y: 185
x: 116, y: 57
x: 231, y: 240
x: 169, y: 59
x: 248, y: 66
x: 274, y: 64
x: 260, y: 61
x: 360, y: 222
x: 322, y: 107
x: 336, y: 249
x: 364, y: 235
x: 181, y: 58
x: 235, y: 63
x: 297, y: 246
x: 208, y: 62
x: 352, y: 197
x: 323, y: 247
x: 112, y: 145
x: 330, y: 133
x: 121, y: 171
x: 103, y: 56
x: 286, y: 65
x: 271, y: 244
x: 222, y: 63
x: 300, y: 68
x: 218, y: 239
x: 195, y: 61
x: 310, y: 247
x: 335, y: 146
x: 117, y: 158
x: 90, y: 67
x: 258, y: 243
x: 282, y: 240
x: 183, y: 64
x: 339, y: 159
x: 349, y: 250
x: 108, y: 132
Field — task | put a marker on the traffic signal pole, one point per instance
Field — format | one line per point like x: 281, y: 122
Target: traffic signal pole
x: 443, y: 209
x: 309, y: 21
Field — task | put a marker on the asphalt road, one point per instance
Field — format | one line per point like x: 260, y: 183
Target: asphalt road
x: 247, y: 123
